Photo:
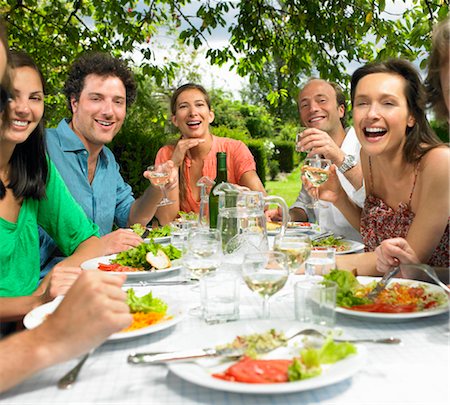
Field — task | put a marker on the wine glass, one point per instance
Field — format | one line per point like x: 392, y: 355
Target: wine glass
x: 297, y: 249
x: 159, y: 176
x: 265, y: 273
x: 317, y: 171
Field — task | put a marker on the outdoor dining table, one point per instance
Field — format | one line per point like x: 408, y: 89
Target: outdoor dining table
x: 417, y: 371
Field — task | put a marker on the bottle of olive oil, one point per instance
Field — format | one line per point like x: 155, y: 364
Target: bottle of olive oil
x: 221, y: 177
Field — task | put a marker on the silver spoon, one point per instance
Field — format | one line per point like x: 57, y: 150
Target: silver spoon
x: 316, y: 333
x: 69, y: 379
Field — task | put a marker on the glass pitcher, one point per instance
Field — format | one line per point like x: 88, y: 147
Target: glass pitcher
x: 242, y: 222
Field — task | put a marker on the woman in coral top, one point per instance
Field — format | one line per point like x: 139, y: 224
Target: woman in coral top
x: 195, y: 151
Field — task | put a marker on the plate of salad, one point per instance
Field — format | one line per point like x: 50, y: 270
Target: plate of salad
x: 150, y: 314
x: 401, y: 300
x: 148, y: 260
x: 342, y: 246
x: 292, y: 368
x: 161, y: 234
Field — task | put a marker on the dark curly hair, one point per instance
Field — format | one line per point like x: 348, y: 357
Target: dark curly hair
x: 420, y: 138
x: 101, y: 64
x: 440, y: 51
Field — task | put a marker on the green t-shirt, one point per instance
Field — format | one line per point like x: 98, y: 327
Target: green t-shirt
x: 60, y: 215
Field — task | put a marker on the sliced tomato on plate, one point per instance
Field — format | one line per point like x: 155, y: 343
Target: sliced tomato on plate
x: 116, y: 267
x: 253, y: 371
x: 384, y: 307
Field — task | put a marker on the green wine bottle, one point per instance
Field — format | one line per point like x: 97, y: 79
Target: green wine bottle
x: 221, y: 177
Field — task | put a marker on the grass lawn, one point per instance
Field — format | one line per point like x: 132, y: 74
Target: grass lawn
x: 288, y: 187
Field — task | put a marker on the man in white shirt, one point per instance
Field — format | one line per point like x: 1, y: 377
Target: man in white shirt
x: 321, y: 106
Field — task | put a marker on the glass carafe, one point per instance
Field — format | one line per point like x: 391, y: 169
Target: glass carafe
x: 242, y: 222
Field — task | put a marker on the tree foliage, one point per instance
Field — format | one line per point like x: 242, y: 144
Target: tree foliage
x: 276, y: 43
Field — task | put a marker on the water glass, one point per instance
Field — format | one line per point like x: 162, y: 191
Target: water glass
x: 180, y: 231
x: 203, y: 252
x: 220, y: 297
x: 315, y: 301
x: 321, y: 261
x: 297, y: 248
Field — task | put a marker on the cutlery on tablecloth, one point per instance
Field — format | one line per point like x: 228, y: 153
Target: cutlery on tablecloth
x: 193, y: 354
x: 69, y: 379
x: 381, y: 285
x: 156, y: 283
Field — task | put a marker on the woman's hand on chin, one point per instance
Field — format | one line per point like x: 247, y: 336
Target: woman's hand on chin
x: 182, y: 147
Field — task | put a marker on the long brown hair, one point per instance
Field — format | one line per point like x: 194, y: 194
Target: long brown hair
x: 420, y: 138
x: 439, y: 53
x: 173, y: 110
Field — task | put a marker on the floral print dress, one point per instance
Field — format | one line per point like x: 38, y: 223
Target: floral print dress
x: 379, y: 222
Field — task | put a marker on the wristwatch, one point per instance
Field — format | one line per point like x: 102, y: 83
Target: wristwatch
x: 348, y: 163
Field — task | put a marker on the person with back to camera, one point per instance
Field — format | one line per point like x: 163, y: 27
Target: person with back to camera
x: 405, y: 168
x: 195, y: 151
x: 99, y: 89
x: 322, y: 108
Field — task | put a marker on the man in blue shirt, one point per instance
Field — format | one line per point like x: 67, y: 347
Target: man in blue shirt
x: 99, y: 89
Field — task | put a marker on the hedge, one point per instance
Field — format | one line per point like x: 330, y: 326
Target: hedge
x: 285, y: 155
x: 259, y: 153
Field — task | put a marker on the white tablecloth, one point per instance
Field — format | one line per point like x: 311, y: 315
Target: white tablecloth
x: 415, y: 372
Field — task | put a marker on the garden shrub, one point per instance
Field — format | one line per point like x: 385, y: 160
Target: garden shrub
x: 285, y: 155
x: 259, y: 153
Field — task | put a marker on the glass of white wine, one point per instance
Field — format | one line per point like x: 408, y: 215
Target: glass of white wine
x: 297, y: 249
x: 265, y: 273
x: 159, y: 177
x: 203, y: 252
x: 317, y: 171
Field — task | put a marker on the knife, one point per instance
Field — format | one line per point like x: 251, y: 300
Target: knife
x: 188, y: 355
x: 381, y: 285
x: 156, y: 283
x: 185, y: 355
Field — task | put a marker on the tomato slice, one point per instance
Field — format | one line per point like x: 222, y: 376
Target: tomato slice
x: 116, y: 267
x: 384, y: 307
x: 253, y: 371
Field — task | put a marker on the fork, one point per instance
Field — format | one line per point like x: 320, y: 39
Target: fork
x: 316, y: 333
x: 429, y: 271
x: 69, y: 379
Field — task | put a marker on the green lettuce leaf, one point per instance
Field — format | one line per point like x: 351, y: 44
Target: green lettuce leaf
x: 332, y: 351
x: 145, y: 304
x: 309, y: 363
x: 348, y: 285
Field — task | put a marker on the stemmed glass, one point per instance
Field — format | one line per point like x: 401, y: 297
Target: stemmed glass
x: 265, y: 273
x: 297, y: 249
x: 159, y: 176
x: 317, y: 171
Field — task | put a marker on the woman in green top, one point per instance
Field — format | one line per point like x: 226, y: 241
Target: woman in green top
x: 32, y: 193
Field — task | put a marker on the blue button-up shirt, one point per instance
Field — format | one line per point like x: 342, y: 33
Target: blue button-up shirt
x: 108, y: 199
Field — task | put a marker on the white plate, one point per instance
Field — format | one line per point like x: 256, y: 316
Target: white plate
x: 199, y: 373
x: 304, y: 228
x: 398, y: 316
x: 354, y: 247
x: 161, y: 239
x: 92, y: 264
x: 174, y: 310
